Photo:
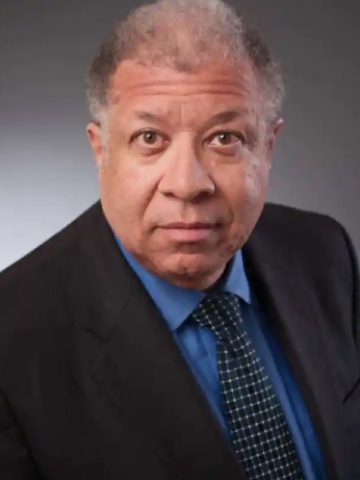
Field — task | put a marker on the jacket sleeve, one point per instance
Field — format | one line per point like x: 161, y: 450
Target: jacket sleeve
x: 16, y: 462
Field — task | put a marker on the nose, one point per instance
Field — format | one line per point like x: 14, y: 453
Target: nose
x: 185, y: 176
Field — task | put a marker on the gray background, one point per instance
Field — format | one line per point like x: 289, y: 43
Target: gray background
x: 47, y: 175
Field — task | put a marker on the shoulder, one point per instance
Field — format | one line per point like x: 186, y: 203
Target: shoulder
x: 314, y: 247
x: 51, y: 249
x: 313, y: 238
x: 292, y: 222
x: 34, y: 284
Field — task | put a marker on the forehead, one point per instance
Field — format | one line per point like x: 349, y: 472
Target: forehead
x: 165, y: 91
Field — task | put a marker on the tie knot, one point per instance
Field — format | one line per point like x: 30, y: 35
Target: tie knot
x: 220, y: 312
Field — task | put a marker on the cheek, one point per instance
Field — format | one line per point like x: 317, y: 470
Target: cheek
x: 247, y: 185
x: 114, y: 188
x: 126, y: 190
x: 247, y: 197
x: 256, y: 181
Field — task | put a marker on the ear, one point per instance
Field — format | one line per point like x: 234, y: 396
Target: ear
x: 274, y: 130
x: 95, y: 137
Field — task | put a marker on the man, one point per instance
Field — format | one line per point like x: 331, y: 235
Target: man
x: 181, y: 329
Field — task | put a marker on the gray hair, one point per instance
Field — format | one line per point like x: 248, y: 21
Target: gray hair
x: 184, y: 35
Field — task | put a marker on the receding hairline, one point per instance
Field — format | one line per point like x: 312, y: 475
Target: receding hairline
x: 141, y: 37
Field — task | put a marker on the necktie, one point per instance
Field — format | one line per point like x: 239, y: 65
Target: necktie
x: 259, y: 433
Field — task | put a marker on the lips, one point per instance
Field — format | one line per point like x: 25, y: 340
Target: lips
x: 190, y: 226
x: 190, y: 232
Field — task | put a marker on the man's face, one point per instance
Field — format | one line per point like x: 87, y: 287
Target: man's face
x: 185, y: 172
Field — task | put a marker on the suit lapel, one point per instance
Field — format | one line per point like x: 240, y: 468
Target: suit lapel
x: 295, y: 318
x: 144, y: 372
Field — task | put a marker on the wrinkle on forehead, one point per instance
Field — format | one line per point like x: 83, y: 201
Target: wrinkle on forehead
x: 135, y: 79
x: 182, y: 99
x: 179, y: 109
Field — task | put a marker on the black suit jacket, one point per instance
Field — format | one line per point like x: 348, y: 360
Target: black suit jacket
x: 93, y: 386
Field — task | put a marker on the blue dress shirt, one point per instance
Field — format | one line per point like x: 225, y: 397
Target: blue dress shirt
x: 198, y: 346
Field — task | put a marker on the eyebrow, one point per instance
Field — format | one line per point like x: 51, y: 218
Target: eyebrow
x: 221, y: 117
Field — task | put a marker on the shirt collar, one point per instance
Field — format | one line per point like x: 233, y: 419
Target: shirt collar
x: 175, y: 303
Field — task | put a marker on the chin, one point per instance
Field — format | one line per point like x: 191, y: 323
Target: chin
x: 195, y: 271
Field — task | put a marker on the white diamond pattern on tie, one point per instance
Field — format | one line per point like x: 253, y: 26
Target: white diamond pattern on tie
x: 259, y: 432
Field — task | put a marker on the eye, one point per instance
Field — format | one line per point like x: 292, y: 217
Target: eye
x: 227, y: 138
x: 149, y: 138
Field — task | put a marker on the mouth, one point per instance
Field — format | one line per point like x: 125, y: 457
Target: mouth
x: 190, y: 232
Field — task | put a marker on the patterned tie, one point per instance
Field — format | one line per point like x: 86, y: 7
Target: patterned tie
x: 258, y: 429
